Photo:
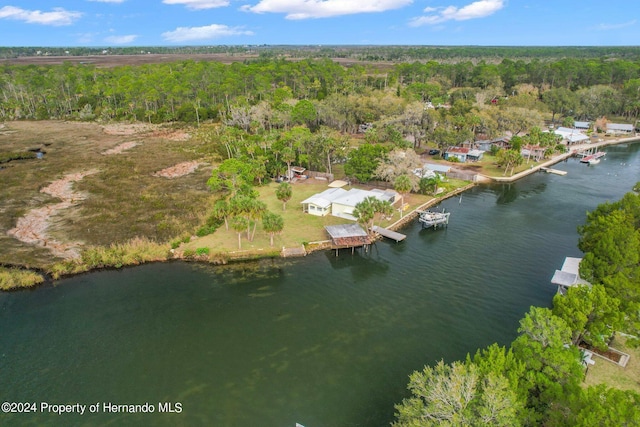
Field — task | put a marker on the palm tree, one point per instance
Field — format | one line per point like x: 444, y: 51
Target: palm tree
x: 284, y: 193
x: 239, y: 223
x: 402, y: 185
x: 365, y: 211
x: 272, y: 223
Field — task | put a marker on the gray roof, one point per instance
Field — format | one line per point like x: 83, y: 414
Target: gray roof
x: 345, y: 230
x: 437, y: 168
x: 356, y: 195
x: 325, y: 198
x: 620, y: 126
x: 582, y: 125
x: 563, y: 278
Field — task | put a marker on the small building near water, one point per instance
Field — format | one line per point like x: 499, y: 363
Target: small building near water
x: 347, y: 236
x: 569, y: 275
x: 620, y: 128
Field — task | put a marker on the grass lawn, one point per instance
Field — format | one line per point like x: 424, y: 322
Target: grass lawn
x: 612, y: 375
x: 299, y: 228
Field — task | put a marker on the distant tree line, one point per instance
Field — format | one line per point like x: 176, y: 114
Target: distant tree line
x: 279, y: 112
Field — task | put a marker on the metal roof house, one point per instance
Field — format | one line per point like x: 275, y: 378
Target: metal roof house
x: 459, y: 153
x: 581, y: 125
x: 619, y: 128
x: 344, y: 205
x: 320, y: 204
x: 571, y: 136
x: 441, y: 169
x: 569, y: 275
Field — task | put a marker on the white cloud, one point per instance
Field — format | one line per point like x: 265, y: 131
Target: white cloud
x: 305, y: 9
x: 199, y: 4
x: 213, y: 31
x: 477, y: 9
x: 58, y: 17
x: 121, y: 39
x: 107, y: 1
x: 607, y: 27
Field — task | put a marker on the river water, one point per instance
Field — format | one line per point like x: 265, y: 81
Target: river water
x: 321, y: 340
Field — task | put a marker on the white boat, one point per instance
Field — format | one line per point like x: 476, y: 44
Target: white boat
x: 433, y: 219
x: 594, y: 161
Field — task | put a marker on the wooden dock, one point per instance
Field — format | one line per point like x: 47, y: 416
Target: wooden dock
x: 394, y: 235
x: 554, y: 171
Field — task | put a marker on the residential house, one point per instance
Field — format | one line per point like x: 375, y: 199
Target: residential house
x: 344, y: 205
x: 459, y: 153
x: 320, y: 204
x: 619, y: 128
x: 502, y: 142
x: 474, y: 155
x: 483, y: 144
x: 571, y: 136
x: 534, y: 152
x: 582, y: 125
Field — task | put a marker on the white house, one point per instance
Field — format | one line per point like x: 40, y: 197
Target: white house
x: 571, y: 136
x: 344, y: 205
x: 320, y: 204
x: 619, y: 128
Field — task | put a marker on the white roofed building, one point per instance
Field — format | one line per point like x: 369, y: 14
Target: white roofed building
x: 571, y: 136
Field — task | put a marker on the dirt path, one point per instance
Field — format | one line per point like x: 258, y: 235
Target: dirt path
x: 32, y: 228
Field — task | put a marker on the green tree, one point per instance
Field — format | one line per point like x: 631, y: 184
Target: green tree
x: 552, y: 367
x: 560, y: 101
x: 284, y: 192
x: 592, y: 315
x: 233, y: 175
x: 363, y: 161
x: 239, y: 224
x: 458, y: 395
x: 304, y: 112
x: 272, y: 224
x: 429, y: 184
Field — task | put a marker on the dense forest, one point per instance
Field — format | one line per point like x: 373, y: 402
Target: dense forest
x: 264, y: 93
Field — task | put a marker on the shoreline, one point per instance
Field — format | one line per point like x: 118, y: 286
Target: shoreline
x: 410, y: 216
x: 557, y: 159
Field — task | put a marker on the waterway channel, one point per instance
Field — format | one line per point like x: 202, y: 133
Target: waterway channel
x: 320, y: 340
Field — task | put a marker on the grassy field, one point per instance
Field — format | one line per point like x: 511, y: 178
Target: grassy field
x: 124, y: 200
x: 299, y: 228
x: 608, y: 373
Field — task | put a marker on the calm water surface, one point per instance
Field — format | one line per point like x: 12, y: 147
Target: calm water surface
x: 323, y: 340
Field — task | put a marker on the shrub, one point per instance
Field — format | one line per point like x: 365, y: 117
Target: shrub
x: 14, y: 278
x: 202, y: 251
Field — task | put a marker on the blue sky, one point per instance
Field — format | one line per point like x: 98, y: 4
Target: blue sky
x: 382, y: 22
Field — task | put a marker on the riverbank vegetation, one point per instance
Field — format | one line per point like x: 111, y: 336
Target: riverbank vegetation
x: 268, y: 110
x: 15, y: 278
x: 538, y: 380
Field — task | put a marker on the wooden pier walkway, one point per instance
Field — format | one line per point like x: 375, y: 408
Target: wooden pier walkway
x: 398, y: 237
